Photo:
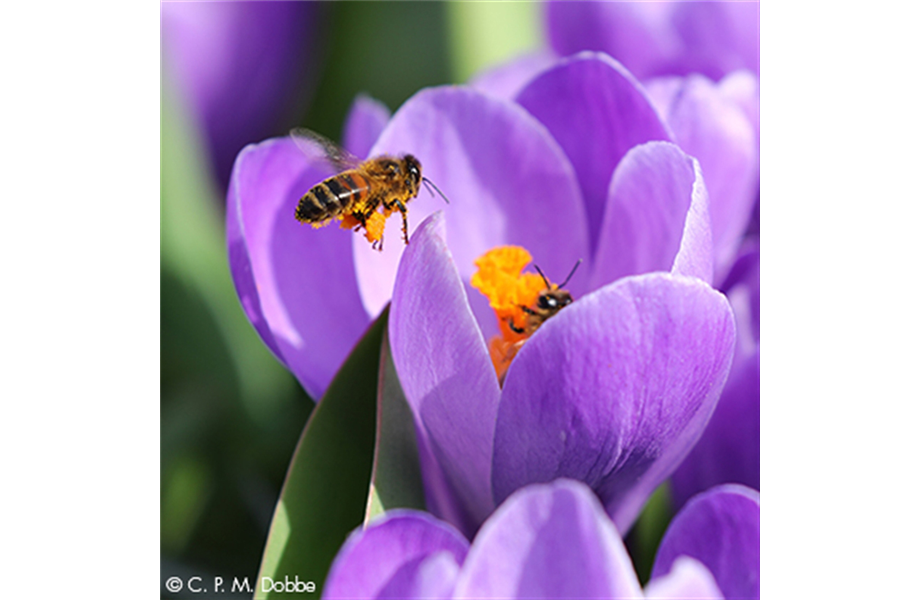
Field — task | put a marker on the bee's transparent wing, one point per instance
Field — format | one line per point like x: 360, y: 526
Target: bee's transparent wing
x: 309, y: 142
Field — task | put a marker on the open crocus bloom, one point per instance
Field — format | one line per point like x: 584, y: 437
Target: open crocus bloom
x: 613, y: 391
x: 551, y: 541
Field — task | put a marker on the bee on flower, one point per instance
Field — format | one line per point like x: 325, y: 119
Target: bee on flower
x: 521, y: 301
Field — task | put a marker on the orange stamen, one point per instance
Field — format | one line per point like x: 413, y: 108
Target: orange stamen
x: 500, y: 279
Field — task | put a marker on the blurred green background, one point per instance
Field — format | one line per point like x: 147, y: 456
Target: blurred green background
x: 230, y: 413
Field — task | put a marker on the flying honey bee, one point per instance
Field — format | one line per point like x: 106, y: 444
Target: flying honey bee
x: 361, y: 187
x: 550, y: 301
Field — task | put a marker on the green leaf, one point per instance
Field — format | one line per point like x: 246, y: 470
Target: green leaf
x: 645, y: 537
x: 325, y: 492
x: 396, y: 481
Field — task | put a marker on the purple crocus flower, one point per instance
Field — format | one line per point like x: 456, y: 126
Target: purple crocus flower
x: 297, y: 285
x: 552, y: 541
x: 718, y: 123
x: 661, y: 38
x: 241, y: 68
x: 613, y: 391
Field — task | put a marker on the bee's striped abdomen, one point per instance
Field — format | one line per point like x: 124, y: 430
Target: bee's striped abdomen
x: 332, y: 197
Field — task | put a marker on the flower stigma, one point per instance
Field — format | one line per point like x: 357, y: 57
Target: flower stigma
x: 521, y: 301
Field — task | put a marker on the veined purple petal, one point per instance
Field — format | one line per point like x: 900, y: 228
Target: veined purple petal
x: 404, y: 554
x: 597, y: 111
x: 243, y: 68
x: 714, y: 130
x: 509, y: 78
x: 721, y: 529
x: 660, y: 38
x: 657, y: 206
x: 507, y: 180
x: 615, y: 390
x: 366, y: 119
x: 447, y: 376
x: 689, y: 579
x: 296, y: 284
x: 548, y: 541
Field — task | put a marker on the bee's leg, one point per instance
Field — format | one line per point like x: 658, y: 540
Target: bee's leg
x: 527, y: 310
x: 405, y: 227
x: 514, y: 327
x: 362, y: 220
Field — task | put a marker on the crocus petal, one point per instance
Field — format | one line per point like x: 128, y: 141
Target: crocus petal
x: 718, y: 37
x: 729, y: 449
x: 695, y: 256
x: 404, y: 554
x: 549, y: 541
x: 366, y: 119
x: 447, y: 376
x: 615, y: 390
x: 659, y: 38
x: 635, y: 35
x: 743, y: 282
x: 507, y: 180
x: 743, y: 87
x: 509, y: 78
x: 296, y: 283
x: 721, y: 529
x: 243, y: 68
x: 713, y: 129
x: 689, y: 579
x: 657, y: 205
x: 596, y: 111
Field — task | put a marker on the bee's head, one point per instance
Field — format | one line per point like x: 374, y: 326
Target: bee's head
x: 413, y: 173
x: 554, y: 300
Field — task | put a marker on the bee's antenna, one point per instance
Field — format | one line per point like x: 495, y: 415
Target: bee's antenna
x: 548, y: 286
x: 430, y: 184
x: 572, y: 272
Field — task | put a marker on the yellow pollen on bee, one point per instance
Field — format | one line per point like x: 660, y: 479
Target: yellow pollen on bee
x: 373, y: 226
x: 500, y: 279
